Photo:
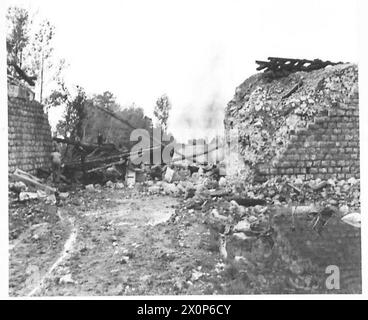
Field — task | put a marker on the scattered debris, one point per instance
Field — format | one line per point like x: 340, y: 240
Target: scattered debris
x: 66, y: 279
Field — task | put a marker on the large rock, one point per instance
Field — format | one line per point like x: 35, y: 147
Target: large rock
x: 222, y: 182
x: 119, y: 185
x: 24, y: 196
x: 171, y: 175
x: 90, y: 187
x: 170, y: 188
x: 242, y: 226
x: 110, y: 184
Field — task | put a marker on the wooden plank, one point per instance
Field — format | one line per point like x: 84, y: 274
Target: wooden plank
x: 262, y: 65
x: 31, y: 180
x: 26, y: 174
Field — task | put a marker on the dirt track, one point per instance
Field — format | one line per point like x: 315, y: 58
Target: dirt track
x: 122, y: 250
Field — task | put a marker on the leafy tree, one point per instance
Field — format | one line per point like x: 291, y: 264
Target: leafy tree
x: 18, y: 25
x: 40, y: 52
x: 73, y: 122
x: 30, y: 47
x: 113, y: 130
x: 106, y: 100
x: 161, y: 111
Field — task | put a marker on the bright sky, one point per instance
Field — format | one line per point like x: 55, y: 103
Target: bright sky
x: 197, y: 52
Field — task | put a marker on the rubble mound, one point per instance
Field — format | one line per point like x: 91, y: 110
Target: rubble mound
x: 271, y: 115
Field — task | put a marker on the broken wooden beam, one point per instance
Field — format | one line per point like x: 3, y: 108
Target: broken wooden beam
x: 293, y: 90
x: 248, y: 202
x: 281, y: 66
x: 19, y: 175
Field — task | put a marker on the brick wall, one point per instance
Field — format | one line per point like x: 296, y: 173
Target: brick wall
x: 327, y: 148
x: 29, y: 135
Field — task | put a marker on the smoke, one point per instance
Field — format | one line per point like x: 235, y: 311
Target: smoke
x: 202, y: 116
x: 213, y: 114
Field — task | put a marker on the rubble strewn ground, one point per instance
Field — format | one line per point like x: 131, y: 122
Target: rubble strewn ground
x: 195, y: 235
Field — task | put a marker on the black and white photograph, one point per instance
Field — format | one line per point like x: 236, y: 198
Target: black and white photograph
x: 182, y: 148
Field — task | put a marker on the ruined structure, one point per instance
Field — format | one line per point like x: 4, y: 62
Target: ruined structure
x: 304, y: 125
x: 29, y: 132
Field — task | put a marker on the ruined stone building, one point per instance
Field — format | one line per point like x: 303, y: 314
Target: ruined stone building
x: 29, y: 132
x: 303, y: 125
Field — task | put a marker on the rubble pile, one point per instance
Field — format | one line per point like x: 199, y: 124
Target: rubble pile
x: 268, y: 112
x: 247, y: 231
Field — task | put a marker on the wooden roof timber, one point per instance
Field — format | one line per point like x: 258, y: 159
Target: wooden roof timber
x: 275, y: 64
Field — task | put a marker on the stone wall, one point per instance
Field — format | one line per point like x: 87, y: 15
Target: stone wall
x: 327, y: 148
x: 29, y: 135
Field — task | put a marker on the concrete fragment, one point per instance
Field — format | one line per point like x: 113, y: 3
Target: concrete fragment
x: 317, y: 185
x: 241, y: 236
x: 169, y: 175
x: 24, y: 196
x: 119, y: 185
x: 109, y: 184
x: 353, y: 219
x: 63, y: 195
x: 219, y: 216
x: 90, y: 187
x: 304, y: 209
x: 170, y: 188
x: 66, y: 279
x: 196, y: 275
x: 222, y: 182
x: 51, y: 199
x: 242, y: 226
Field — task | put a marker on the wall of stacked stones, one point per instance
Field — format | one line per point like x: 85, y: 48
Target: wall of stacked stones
x: 327, y: 148
x: 29, y: 135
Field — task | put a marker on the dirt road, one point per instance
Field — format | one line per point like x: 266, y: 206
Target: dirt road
x: 114, y: 244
